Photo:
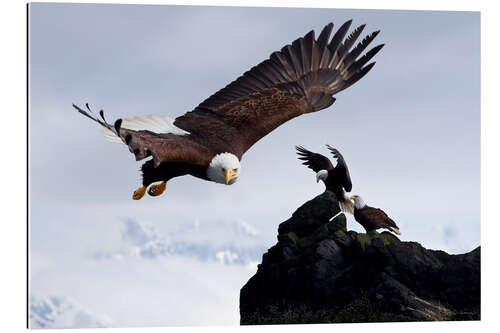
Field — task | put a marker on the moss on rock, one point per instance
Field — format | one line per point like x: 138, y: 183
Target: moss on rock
x: 293, y: 237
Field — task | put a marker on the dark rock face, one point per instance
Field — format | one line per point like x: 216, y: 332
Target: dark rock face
x: 319, y: 272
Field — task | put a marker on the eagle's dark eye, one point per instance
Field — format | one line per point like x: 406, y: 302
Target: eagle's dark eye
x: 235, y: 170
x: 223, y: 169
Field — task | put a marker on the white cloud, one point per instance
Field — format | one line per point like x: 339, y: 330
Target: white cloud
x: 226, y: 257
x: 247, y: 228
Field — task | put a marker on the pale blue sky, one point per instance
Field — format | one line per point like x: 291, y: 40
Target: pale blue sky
x: 409, y: 130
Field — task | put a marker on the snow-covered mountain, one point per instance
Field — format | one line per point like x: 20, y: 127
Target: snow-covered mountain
x: 62, y: 312
x: 194, y: 249
x: 229, y: 243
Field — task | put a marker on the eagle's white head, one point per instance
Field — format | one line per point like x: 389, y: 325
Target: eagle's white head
x: 321, y: 175
x: 358, y: 201
x: 224, y: 168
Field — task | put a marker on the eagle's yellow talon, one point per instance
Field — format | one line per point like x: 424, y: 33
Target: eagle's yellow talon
x: 139, y: 193
x: 157, y: 189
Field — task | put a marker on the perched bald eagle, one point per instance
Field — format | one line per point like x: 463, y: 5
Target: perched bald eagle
x: 372, y: 218
x: 336, y: 179
x: 210, y: 141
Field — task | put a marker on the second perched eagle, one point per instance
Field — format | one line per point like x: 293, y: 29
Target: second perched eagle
x: 210, y: 141
x: 336, y: 179
x: 372, y: 218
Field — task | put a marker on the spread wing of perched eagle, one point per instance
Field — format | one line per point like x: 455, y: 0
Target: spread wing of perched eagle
x: 372, y: 218
x: 336, y: 179
x: 210, y: 141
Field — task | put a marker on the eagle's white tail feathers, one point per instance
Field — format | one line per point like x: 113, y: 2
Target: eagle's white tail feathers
x: 346, y: 205
x: 394, y: 230
x: 153, y: 123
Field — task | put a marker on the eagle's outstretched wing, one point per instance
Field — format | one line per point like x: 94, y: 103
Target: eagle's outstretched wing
x: 301, y: 78
x: 313, y: 161
x: 161, y: 145
x: 341, y: 169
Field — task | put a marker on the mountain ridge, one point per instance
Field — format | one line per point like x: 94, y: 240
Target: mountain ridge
x: 319, y: 272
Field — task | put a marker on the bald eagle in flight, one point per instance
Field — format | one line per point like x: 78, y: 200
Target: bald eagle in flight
x: 210, y: 141
x: 336, y: 179
x: 372, y: 218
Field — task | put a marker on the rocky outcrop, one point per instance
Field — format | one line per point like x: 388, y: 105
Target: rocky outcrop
x: 319, y: 272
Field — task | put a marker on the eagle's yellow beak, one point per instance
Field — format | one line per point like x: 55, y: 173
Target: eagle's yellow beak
x: 352, y: 197
x: 229, y: 174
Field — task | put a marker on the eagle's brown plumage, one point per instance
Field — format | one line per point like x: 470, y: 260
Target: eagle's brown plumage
x: 372, y: 218
x: 299, y: 79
